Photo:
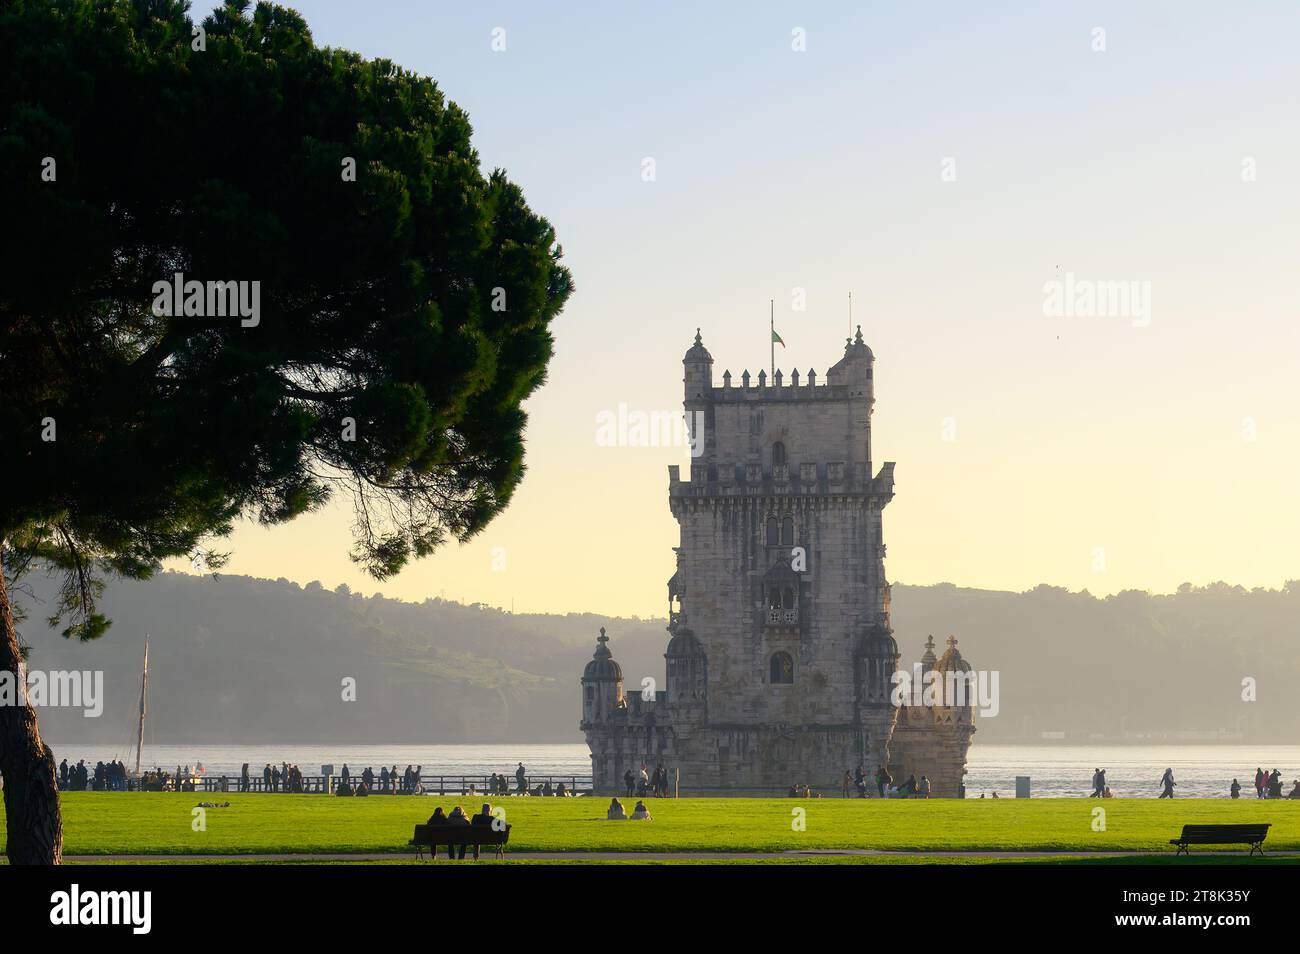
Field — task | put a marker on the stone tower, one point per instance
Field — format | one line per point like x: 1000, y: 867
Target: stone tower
x: 781, y: 662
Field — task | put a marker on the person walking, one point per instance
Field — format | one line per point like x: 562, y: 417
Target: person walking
x: 1168, y: 783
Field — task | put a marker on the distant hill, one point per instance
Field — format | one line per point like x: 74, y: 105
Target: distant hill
x: 243, y: 660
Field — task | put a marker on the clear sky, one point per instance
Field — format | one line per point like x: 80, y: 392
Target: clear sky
x: 942, y: 161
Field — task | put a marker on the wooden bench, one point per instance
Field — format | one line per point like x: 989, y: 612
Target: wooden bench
x: 431, y: 836
x: 1252, y: 835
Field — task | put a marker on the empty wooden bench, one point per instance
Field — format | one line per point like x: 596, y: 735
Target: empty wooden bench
x: 431, y: 836
x: 1252, y: 835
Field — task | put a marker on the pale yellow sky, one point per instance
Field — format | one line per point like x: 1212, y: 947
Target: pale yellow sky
x: 1171, y: 159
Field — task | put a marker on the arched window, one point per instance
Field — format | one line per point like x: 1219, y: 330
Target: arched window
x: 782, y: 669
x: 712, y: 473
x: 787, y: 598
x: 787, y: 532
x: 778, y: 454
x: 774, y: 598
x: 773, y: 532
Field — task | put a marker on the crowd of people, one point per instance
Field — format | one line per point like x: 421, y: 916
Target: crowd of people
x: 387, y: 782
x: 1267, y: 785
x: 911, y: 787
x: 112, y: 776
x: 644, y: 783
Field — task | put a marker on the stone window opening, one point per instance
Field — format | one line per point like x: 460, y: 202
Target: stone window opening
x: 773, y: 532
x: 782, y: 606
x: 787, y: 532
x: 778, y: 454
x: 781, y: 669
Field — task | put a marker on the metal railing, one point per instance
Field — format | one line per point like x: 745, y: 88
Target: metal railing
x: 428, y: 784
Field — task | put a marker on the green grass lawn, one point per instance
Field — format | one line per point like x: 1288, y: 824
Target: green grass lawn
x: 130, y: 823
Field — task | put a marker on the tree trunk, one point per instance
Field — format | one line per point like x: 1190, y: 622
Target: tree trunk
x: 31, y: 792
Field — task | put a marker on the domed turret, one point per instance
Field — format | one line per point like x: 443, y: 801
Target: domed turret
x: 855, y: 368
x: 602, y: 667
x: 877, y: 660
x: 602, y: 683
x: 951, y: 660
x: 687, y: 668
x: 699, y: 372
x: 955, y: 673
x: 697, y: 352
x: 684, y: 643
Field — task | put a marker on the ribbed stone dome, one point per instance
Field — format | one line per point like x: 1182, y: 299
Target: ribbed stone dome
x: 684, y: 643
x: 697, y: 351
x: 880, y: 642
x: 951, y: 660
x: 602, y: 667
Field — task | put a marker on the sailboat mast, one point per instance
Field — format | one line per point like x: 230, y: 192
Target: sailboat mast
x: 144, y: 684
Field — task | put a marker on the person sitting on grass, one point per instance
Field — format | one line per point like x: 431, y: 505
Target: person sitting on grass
x: 908, y: 788
x: 616, y: 811
x: 924, y: 788
x: 1295, y: 791
x: 640, y: 812
x: 561, y: 791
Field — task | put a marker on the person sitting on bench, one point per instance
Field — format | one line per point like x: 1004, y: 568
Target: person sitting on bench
x: 640, y: 812
x: 438, y: 818
x: 616, y: 812
x: 458, y: 818
x: 484, y: 817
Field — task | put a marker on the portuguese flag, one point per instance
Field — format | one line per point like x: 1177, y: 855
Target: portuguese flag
x: 776, y: 339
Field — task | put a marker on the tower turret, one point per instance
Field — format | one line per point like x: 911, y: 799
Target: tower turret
x: 957, y: 678
x: 602, y: 683
x: 699, y: 371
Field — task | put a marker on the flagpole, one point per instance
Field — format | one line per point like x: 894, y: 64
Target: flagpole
x: 771, y: 338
